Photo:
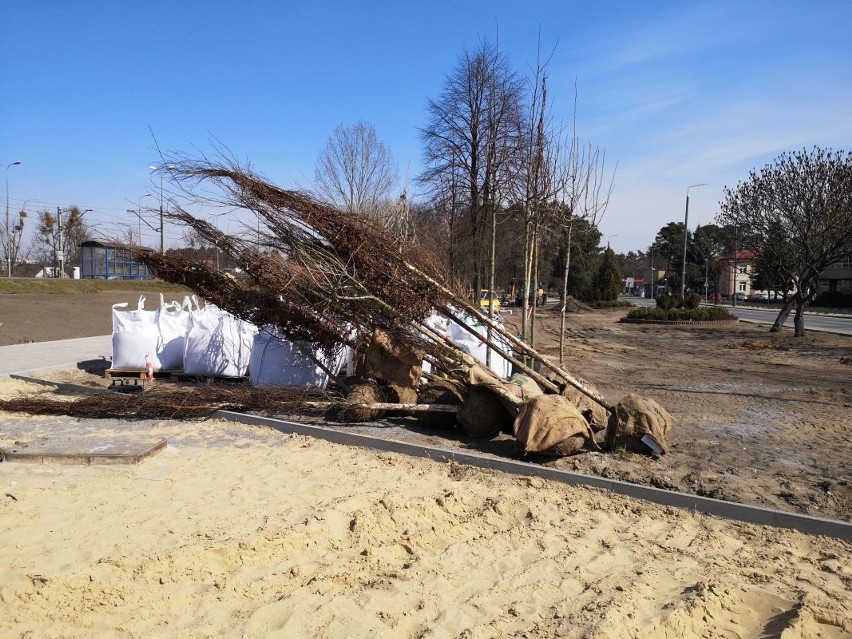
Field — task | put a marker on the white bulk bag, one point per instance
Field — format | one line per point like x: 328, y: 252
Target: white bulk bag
x: 217, y: 343
x: 275, y: 361
x: 135, y: 337
x: 173, y: 324
x: 475, y: 345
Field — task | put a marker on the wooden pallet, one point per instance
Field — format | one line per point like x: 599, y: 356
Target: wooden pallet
x: 180, y: 376
x: 113, y: 373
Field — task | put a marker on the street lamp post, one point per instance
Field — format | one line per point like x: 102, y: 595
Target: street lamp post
x: 734, y: 286
x: 685, y: 235
x: 8, y: 235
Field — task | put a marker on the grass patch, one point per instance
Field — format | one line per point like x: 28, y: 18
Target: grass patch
x: 752, y: 345
x: 69, y: 287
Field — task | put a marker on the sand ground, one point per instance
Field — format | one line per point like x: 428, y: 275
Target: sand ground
x: 241, y: 531
x: 245, y: 532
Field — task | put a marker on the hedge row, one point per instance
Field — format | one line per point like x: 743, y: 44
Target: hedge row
x: 703, y: 314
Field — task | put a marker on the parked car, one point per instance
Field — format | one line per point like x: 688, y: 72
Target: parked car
x: 740, y: 297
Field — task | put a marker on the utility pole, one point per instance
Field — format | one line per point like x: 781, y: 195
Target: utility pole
x: 162, y: 243
x: 685, y: 236
x: 8, y: 235
x: 60, y: 260
x: 734, y: 288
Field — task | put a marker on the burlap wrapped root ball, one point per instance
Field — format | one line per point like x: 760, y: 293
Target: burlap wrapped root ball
x: 390, y: 360
x: 483, y: 414
x: 596, y: 415
x: 364, y: 392
x: 512, y: 392
x: 440, y: 392
x: 638, y: 418
x: 552, y: 425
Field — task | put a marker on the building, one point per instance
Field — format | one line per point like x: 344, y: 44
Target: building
x: 110, y: 262
x: 736, y: 271
x: 837, y: 278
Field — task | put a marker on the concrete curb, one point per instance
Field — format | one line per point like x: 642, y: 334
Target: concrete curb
x: 695, y: 323
x: 727, y: 510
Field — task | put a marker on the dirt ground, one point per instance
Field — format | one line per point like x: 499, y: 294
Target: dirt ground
x: 761, y: 418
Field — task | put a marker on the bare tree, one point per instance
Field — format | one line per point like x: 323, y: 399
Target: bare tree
x: 12, y: 242
x: 468, y: 129
x: 58, y: 237
x: 584, y: 189
x: 534, y: 172
x: 797, y: 213
x: 356, y: 171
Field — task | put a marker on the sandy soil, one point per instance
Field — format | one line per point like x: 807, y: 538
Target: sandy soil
x: 761, y: 418
x: 240, y: 531
x: 245, y: 532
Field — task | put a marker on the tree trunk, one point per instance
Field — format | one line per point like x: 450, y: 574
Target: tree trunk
x: 492, y: 266
x: 535, y: 285
x: 564, y: 297
x: 526, y: 296
x: 782, y: 315
x: 799, y: 321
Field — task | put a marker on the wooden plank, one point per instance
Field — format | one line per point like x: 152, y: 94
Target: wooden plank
x: 131, y: 373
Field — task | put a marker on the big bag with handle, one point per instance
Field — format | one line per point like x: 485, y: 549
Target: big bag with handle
x: 135, y: 337
x: 217, y: 343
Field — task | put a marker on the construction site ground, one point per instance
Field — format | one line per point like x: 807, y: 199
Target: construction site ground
x: 762, y: 418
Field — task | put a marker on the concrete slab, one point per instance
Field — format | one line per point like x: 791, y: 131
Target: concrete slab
x: 102, y: 451
x: 41, y: 357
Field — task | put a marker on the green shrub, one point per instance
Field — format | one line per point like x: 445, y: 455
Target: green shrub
x: 692, y: 301
x: 704, y: 314
x: 609, y: 304
x: 677, y: 301
x: 664, y: 301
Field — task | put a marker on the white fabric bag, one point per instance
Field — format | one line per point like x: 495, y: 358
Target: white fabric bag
x: 173, y: 324
x: 217, y: 343
x: 476, y: 347
x: 135, y: 337
x: 275, y: 361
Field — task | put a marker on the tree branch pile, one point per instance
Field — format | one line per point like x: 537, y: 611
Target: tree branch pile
x: 330, y: 278
x: 173, y: 403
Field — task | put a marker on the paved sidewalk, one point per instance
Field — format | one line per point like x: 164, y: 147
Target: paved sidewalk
x: 40, y: 357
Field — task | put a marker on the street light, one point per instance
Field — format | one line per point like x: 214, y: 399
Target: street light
x: 8, y: 236
x: 685, y: 235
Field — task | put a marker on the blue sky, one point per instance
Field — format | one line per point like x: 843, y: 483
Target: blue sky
x: 676, y: 93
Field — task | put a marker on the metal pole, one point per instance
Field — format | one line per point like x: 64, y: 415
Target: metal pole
x: 685, y: 236
x: 8, y: 235
x: 653, y: 289
x: 61, y: 259
x: 736, y: 249
x: 162, y: 245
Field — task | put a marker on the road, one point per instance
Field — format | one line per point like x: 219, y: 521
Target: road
x: 840, y: 324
